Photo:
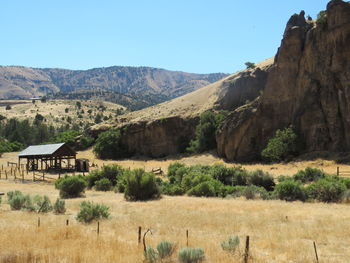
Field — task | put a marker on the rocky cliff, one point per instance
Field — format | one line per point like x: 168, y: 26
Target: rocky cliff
x: 308, y: 87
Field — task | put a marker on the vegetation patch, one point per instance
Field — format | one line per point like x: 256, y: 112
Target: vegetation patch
x: 90, y: 211
x: 281, y: 146
x: 71, y: 186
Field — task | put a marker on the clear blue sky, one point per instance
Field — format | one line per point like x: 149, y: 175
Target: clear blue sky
x: 188, y: 35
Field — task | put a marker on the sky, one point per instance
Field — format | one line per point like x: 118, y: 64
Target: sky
x: 197, y: 36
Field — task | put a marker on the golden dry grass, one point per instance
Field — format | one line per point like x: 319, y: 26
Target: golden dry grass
x: 279, y: 231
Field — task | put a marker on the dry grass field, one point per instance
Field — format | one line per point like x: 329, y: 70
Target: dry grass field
x: 279, y: 231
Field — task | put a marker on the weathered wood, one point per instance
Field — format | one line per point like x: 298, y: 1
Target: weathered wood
x: 187, y: 238
x: 139, y: 239
x: 315, y: 251
x: 246, y: 252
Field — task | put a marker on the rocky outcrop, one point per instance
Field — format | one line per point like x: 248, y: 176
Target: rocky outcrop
x: 308, y: 87
x: 157, y: 138
x: 242, y: 88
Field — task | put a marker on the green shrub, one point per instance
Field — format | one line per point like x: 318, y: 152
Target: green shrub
x: 141, y: 186
x: 309, y: 175
x: 321, y: 18
x: 282, y: 145
x: 165, y: 249
x: 43, y: 204
x: 290, y: 190
x: 261, y: 178
x: 203, y: 189
x: 86, y: 141
x: 231, y: 244
x: 205, y: 131
x: 90, y: 212
x: 173, y: 167
x: 121, y: 184
x: 191, y: 255
x: 71, y: 186
x: 172, y: 189
x: 329, y: 189
x: 103, y: 185
x: 112, y: 173
x: 250, y: 64
x: 59, y: 206
x: 16, y: 200
x: 108, y: 145
x: 151, y: 255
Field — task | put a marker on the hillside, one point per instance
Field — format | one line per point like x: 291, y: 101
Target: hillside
x: 145, y: 84
x: 61, y: 112
x: 167, y: 128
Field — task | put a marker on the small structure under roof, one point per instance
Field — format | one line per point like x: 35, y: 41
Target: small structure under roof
x: 48, y: 156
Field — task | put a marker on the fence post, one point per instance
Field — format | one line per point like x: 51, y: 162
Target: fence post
x: 187, y: 238
x: 246, y: 252
x: 139, y: 239
x: 337, y: 170
x: 6, y: 174
x: 98, y: 227
x: 38, y: 221
x: 315, y: 251
x: 67, y: 223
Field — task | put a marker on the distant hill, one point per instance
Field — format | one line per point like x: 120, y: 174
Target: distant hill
x: 135, y: 86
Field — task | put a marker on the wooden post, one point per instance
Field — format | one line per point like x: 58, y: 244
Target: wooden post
x: 98, y: 227
x: 22, y: 176
x: 187, y: 238
x: 67, y: 223
x: 315, y: 251
x: 140, y: 229
x: 0, y: 174
x: 246, y: 252
x: 6, y: 174
x: 38, y: 221
x: 337, y: 170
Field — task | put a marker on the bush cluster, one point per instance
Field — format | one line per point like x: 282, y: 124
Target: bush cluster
x: 109, y: 145
x: 217, y: 180
x: 205, y: 131
x: 221, y: 181
x: 106, y: 178
x: 40, y: 204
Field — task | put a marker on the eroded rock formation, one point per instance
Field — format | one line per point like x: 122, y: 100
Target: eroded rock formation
x: 307, y: 87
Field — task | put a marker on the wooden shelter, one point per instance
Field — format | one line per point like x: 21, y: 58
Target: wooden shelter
x: 48, y: 157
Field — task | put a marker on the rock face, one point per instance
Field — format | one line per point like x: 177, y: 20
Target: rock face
x: 242, y: 88
x: 159, y: 138
x: 308, y: 87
